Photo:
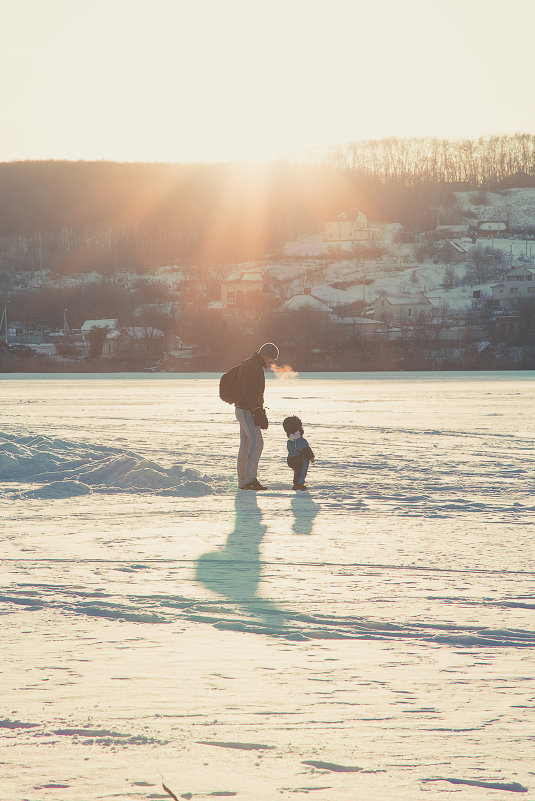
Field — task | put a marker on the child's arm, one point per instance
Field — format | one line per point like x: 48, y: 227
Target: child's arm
x: 308, y: 453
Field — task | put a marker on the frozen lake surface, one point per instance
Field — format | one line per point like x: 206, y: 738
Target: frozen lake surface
x: 373, y: 638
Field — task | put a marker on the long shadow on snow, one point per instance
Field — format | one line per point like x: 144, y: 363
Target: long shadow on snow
x: 235, y: 572
x: 304, y: 510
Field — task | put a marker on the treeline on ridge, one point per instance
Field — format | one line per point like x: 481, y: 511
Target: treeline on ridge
x: 108, y: 216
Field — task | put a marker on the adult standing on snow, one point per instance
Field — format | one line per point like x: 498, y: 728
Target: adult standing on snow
x: 251, y: 414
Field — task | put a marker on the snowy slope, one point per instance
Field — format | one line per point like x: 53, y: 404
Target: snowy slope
x: 515, y: 205
x: 399, y: 270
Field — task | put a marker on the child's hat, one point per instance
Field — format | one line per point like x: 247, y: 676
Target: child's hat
x: 292, y: 424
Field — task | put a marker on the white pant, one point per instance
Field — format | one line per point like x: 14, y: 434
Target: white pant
x: 251, y: 446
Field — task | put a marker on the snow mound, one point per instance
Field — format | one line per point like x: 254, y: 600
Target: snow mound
x: 60, y: 489
x: 66, y: 469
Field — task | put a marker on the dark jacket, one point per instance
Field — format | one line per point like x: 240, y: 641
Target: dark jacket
x: 251, y: 383
x: 299, y: 447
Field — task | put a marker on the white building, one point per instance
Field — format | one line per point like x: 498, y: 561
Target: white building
x: 110, y: 324
x: 305, y: 300
x: 346, y: 229
x: 517, y: 283
x: 404, y: 307
x: 489, y: 228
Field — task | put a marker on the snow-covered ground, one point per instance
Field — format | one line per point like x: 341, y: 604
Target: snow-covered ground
x: 372, y: 638
x: 515, y: 205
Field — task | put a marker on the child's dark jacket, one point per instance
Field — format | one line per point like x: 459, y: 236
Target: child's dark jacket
x: 299, y: 447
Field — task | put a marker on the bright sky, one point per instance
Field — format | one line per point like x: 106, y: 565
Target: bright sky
x: 210, y: 80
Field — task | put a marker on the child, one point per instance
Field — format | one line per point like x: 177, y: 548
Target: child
x: 299, y: 452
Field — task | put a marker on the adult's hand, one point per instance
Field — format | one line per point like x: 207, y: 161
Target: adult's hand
x: 260, y: 418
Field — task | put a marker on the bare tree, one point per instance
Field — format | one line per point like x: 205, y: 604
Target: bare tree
x: 95, y: 339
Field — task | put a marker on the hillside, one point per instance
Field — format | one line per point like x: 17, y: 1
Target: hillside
x: 75, y: 217
x: 413, y: 266
x: 515, y: 205
x: 184, y: 299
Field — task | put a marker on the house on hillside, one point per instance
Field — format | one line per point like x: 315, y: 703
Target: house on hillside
x: 488, y: 228
x: 348, y: 228
x: 143, y: 344
x: 139, y: 343
x: 88, y: 325
x: 306, y: 301
x: 88, y: 333
x: 347, y: 325
x: 447, y: 232
x: 14, y: 329
x: 517, y: 283
x: 240, y: 286
x: 363, y: 327
x: 451, y: 252
x: 400, y: 308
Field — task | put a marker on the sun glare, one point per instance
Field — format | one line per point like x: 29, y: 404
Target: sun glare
x: 240, y: 213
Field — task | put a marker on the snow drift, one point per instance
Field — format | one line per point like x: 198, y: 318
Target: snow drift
x: 63, y: 469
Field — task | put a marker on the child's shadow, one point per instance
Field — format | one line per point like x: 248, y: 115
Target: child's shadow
x: 305, y: 510
x: 235, y: 571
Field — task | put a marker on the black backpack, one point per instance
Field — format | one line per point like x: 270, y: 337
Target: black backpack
x: 228, y: 385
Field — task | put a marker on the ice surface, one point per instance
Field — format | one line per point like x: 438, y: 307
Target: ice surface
x: 372, y: 638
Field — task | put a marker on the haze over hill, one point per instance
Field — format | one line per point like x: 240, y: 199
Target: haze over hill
x: 76, y: 216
